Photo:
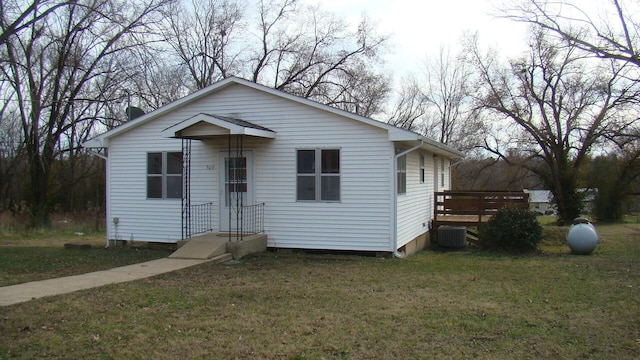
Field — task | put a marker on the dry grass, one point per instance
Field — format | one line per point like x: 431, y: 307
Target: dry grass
x: 40, y: 254
x: 28, y: 254
x: 437, y: 305
x: 13, y: 224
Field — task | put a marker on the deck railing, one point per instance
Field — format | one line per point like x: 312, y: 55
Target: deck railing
x: 468, y: 207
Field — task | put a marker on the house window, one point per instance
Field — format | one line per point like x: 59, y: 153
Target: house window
x: 442, y: 172
x: 164, y: 175
x: 402, y: 174
x: 318, y: 175
x: 421, y: 168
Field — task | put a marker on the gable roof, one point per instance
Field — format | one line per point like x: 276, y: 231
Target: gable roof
x: 395, y: 133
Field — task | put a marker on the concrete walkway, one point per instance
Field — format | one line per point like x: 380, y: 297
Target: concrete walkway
x: 14, y: 294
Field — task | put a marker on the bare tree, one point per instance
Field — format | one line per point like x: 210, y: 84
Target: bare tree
x: 615, y: 176
x: 451, y: 116
x: 204, y: 35
x: 154, y: 80
x: 557, y: 106
x: 440, y: 104
x: 312, y: 53
x: 61, y: 67
x: 606, y: 30
x: 285, y: 44
x: 158, y: 84
x: 410, y: 106
x: 17, y: 15
x: 357, y: 90
x: 612, y: 32
x: 487, y: 173
x: 11, y: 157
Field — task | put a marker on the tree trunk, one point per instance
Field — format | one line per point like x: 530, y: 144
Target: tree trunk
x: 39, y: 175
x: 567, y: 198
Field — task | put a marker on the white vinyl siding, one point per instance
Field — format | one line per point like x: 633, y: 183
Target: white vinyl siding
x: 139, y: 218
x: 359, y: 221
x: 149, y: 219
x: 415, y: 210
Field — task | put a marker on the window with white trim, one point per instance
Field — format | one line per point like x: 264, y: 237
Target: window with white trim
x: 164, y: 175
x: 402, y: 174
x: 318, y: 175
x: 421, y: 168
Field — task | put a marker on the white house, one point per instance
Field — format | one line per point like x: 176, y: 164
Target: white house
x: 540, y: 201
x: 238, y: 156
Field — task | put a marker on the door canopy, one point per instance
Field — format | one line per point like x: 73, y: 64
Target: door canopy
x: 204, y: 126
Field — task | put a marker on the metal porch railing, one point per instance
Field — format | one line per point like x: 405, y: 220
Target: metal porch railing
x: 252, y: 219
x: 200, y: 219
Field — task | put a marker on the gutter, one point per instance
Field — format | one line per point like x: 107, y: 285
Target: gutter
x: 395, y: 197
x: 444, y: 149
x: 98, y: 154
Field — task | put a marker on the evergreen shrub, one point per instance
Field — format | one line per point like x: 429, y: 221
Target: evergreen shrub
x: 512, y: 230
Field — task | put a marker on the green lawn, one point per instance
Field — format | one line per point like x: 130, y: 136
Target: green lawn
x: 41, y: 255
x: 468, y: 304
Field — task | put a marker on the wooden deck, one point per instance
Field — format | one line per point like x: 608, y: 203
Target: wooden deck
x: 473, y: 208
x: 462, y: 220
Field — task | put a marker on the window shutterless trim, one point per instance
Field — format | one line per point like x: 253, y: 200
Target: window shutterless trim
x: 318, y: 175
x: 401, y: 174
x: 164, y: 175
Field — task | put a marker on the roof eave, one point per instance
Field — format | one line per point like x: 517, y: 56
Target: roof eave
x: 96, y: 143
x: 427, y: 144
x: 442, y: 149
x: 259, y: 133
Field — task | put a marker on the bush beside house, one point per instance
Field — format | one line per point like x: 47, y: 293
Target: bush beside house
x: 513, y: 230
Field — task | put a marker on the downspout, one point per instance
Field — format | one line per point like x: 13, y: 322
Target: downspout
x: 395, y: 197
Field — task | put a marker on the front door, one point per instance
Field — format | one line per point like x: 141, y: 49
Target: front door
x: 236, y: 190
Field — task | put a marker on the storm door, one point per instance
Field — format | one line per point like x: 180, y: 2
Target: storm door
x: 236, y: 190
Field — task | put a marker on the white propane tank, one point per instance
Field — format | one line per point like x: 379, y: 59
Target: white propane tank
x: 582, y: 238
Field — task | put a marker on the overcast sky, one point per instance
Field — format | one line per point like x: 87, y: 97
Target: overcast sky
x: 419, y: 28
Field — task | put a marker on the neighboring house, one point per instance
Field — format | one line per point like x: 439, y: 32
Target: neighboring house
x: 540, y: 201
x: 241, y: 157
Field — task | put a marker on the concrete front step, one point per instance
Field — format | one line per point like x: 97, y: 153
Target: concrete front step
x: 211, y: 245
x: 201, y: 247
x: 252, y: 244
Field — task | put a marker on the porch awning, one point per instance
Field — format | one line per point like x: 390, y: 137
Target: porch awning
x: 203, y: 126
